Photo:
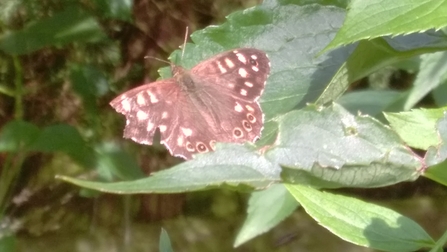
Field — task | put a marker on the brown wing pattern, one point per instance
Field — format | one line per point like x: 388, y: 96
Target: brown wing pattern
x: 219, y: 103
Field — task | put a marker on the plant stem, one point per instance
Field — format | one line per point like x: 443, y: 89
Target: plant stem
x: 18, y: 81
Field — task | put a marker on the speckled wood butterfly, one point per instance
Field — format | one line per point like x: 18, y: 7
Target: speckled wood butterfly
x: 215, y: 101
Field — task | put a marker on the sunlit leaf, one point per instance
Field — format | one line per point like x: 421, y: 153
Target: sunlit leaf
x: 368, y: 19
x: 361, y: 223
x: 331, y: 148
x: 266, y: 209
x: 417, y: 127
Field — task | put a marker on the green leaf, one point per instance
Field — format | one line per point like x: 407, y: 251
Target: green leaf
x: 417, y: 127
x: 7, y: 242
x: 288, y: 34
x: 285, y: 32
x: 266, y: 209
x: 89, y: 83
x: 165, y: 242
x: 368, y: 19
x: 66, y: 139
x: 326, y: 148
x: 245, y: 168
x: 370, y: 102
x: 361, y: 223
x: 380, y: 53
x: 436, y: 156
x: 70, y: 25
x: 16, y: 135
x: 438, y: 173
x: 440, y: 94
x: 331, y: 148
x: 113, y: 162
x: 440, y: 243
x: 432, y: 74
x: 20, y: 135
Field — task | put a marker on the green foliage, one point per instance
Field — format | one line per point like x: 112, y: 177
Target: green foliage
x: 165, y: 242
x: 8, y: 243
x: 70, y: 25
x: 361, y: 223
x: 372, y: 19
x: 280, y: 205
x: 303, y: 146
x: 416, y: 127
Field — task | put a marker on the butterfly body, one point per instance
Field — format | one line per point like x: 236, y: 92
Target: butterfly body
x: 215, y: 101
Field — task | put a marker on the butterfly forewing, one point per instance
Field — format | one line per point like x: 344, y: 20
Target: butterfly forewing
x: 241, y: 72
x: 144, y: 108
x: 217, y: 101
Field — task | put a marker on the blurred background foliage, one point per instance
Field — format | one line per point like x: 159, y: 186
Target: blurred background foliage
x: 61, y: 62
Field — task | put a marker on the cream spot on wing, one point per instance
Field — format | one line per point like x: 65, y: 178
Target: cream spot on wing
x: 229, y: 63
x: 243, y: 73
x: 255, y: 68
x: 254, y: 57
x: 164, y: 115
x: 186, y: 131
x: 162, y: 128
x: 238, y: 107
x: 150, y: 126
x: 221, y: 68
x: 126, y: 105
x: 248, y: 84
x: 243, y: 92
x: 140, y: 99
x: 241, y: 58
x: 180, y: 141
x: 249, y: 108
x: 141, y: 115
x: 152, y: 97
x: 231, y: 85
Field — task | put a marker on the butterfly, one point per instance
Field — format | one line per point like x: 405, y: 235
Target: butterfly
x: 215, y: 101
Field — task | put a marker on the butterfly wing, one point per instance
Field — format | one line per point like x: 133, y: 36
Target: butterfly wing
x: 241, y: 73
x: 220, y: 104
x: 230, y: 85
x: 165, y: 106
x: 145, y: 109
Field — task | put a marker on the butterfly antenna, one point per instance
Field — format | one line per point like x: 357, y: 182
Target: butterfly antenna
x: 150, y: 57
x: 184, y: 41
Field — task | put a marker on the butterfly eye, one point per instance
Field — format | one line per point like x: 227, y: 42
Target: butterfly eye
x: 212, y: 144
x: 189, y: 147
x: 237, y: 133
x: 251, y: 118
x: 201, y: 147
x: 246, y: 125
x: 253, y: 62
